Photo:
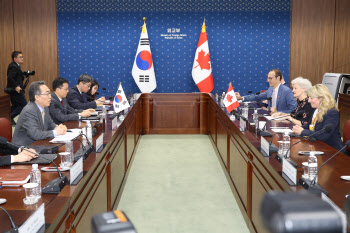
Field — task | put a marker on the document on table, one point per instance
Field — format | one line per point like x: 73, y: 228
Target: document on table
x: 279, y: 118
x: 281, y: 130
x: 68, y: 136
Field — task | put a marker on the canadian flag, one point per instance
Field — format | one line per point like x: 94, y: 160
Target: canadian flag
x: 201, y: 70
x: 230, y: 100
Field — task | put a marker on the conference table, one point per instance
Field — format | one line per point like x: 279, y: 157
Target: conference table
x: 249, y: 173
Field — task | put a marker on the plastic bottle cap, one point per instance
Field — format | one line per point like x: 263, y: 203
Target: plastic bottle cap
x: 35, y: 166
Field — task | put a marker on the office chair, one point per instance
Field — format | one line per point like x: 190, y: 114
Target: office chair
x: 346, y: 133
x: 6, y: 129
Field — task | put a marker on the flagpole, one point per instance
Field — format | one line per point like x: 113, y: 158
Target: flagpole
x: 144, y: 25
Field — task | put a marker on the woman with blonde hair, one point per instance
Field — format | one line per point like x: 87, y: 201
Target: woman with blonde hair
x: 303, y: 112
x: 326, y: 113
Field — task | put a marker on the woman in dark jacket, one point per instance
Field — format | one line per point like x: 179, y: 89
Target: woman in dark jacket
x: 326, y: 113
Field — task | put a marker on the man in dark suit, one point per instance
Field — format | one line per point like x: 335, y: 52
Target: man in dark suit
x: 34, y: 122
x: 60, y: 110
x: 77, y: 95
x: 282, y: 96
x: 15, y: 79
x: 7, y: 158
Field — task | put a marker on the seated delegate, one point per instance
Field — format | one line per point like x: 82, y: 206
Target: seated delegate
x: 60, y: 110
x: 282, y: 96
x: 7, y: 159
x: 303, y: 112
x: 325, y: 113
x: 91, y: 94
x: 77, y: 95
x: 34, y: 122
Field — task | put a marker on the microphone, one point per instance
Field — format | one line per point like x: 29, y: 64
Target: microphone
x: 51, y: 150
x: 264, y: 133
x: 110, y: 97
x: 347, y: 144
x: 13, y: 225
x: 312, y: 186
x: 83, y: 151
x: 52, y: 187
x: 327, y: 128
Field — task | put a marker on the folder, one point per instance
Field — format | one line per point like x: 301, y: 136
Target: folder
x: 14, y: 177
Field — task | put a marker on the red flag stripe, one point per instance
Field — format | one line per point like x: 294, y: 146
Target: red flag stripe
x: 207, y: 84
x: 202, y: 38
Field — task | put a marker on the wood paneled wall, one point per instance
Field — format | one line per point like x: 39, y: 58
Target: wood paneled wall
x: 6, y: 40
x: 319, y: 38
x: 32, y: 29
x: 342, y: 37
x: 319, y: 41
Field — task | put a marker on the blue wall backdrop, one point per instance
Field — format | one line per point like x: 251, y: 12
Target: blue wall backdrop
x: 246, y: 39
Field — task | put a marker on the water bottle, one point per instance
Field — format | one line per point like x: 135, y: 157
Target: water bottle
x: 312, y: 164
x: 256, y: 119
x: 222, y: 98
x: 35, y: 177
x: 245, y: 110
x: 89, y: 131
x: 104, y: 110
x: 286, y: 144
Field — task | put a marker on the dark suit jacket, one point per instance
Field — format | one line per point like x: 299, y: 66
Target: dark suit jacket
x: 79, y: 101
x: 30, y: 127
x: 5, y: 160
x: 63, y: 114
x: 333, y: 138
x: 285, y: 98
x: 15, y: 76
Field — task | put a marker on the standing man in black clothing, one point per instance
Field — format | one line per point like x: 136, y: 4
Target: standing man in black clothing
x: 15, y: 79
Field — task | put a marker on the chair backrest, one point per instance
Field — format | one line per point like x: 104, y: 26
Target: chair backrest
x: 346, y: 133
x: 6, y: 129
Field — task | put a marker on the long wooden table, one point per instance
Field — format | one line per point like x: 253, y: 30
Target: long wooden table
x: 249, y: 173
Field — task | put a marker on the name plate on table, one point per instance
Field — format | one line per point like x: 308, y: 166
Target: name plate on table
x: 265, y: 147
x: 75, y: 171
x: 289, y: 172
x: 242, y: 124
x: 35, y: 223
x: 99, y: 142
x: 114, y: 123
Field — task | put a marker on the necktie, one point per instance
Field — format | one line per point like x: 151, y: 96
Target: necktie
x: 62, y: 102
x: 43, y: 116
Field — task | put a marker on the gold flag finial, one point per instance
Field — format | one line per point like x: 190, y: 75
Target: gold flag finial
x: 203, y: 26
x: 144, y: 25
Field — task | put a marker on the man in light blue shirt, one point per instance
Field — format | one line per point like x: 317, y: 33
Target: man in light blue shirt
x: 282, y: 98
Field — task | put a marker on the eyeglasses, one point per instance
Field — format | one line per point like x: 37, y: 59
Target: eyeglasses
x: 47, y: 94
x: 66, y: 89
x: 88, y: 84
x: 270, y: 78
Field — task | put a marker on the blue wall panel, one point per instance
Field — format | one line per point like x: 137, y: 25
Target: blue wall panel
x: 246, y: 40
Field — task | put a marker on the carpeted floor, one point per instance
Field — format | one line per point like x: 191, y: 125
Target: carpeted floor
x: 176, y: 184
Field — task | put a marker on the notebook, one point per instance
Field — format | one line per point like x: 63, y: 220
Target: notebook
x: 14, y: 177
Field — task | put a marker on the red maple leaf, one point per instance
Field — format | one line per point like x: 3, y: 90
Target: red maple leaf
x: 229, y: 98
x: 203, y: 60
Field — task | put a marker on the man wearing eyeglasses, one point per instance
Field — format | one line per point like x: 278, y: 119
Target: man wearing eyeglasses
x: 77, y: 97
x: 60, y: 110
x: 15, y: 79
x: 282, y: 96
x: 34, y: 122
